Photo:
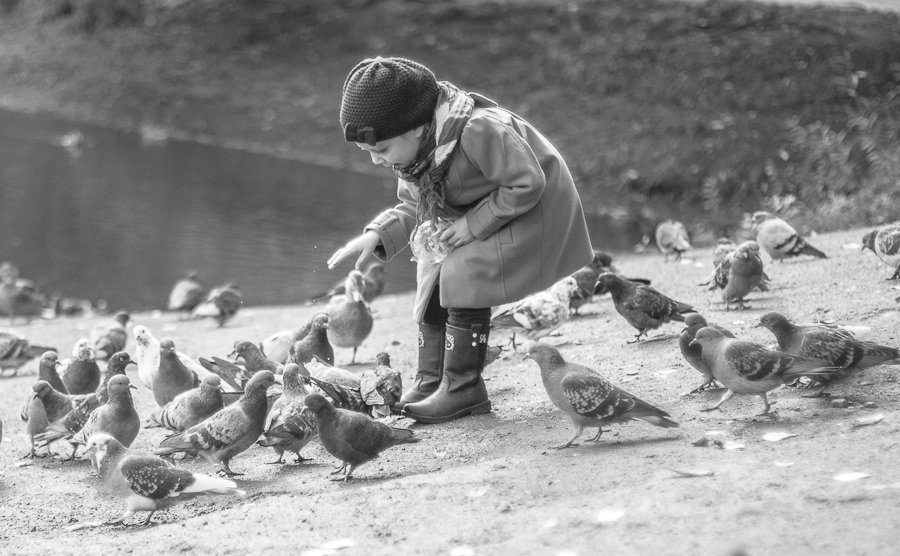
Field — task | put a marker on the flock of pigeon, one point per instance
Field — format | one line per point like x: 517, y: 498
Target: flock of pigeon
x: 281, y: 393
x: 285, y: 391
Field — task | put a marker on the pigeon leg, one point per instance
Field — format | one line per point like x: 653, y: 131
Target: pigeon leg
x: 340, y: 469
x: 301, y: 458
x: 596, y: 438
x: 895, y: 276
x: 724, y: 399
x: 227, y: 470
x: 279, y: 460
x: 637, y: 338
x: 765, y: 401
x: 710, y: 383
x: 578, y: 430
x: 353, y: 358
x: 147, y: 521
x: 349, y: 474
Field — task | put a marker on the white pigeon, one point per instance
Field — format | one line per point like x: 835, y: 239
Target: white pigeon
x: 672, y: 239
x: 539, y: 314
x: 779, y: 239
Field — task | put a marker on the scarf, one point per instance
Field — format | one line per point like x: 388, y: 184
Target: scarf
x: 429, y: 170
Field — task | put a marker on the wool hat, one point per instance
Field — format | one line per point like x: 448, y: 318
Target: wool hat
x: 386, y: 97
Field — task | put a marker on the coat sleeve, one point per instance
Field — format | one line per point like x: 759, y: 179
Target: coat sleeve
x: 504, y: 158
x: 395, y: 225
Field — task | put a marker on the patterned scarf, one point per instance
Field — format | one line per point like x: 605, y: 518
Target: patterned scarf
x: 429, y: 170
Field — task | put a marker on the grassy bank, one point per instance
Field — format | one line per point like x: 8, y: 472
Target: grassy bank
x: 713, y: 105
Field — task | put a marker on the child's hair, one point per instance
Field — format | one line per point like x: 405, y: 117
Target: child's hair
x: 386, y: 97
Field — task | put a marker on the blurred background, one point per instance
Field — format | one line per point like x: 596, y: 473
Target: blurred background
x: 142, y: 139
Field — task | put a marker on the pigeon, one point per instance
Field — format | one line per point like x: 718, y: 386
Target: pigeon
x: 171, y: 378
x: 19, y: 297
x: 47, y: 371
x: 35, y: 416
x: 831, y: 345
x: 779, y: 239
x: 72, y: 306
x: 381, y: 387
x: 228, y: 432
x: 316, y: 343
x: 147, y: 482
x: 186, y: 294
x: 117, y: 417
x: 885, y: 242
x: 740, y: 272
x: 586, y: 277
x: 233, y: 375
x: 190, y: 407
x: 221, y: 304
x: 587, y: 398
x: 253, y: 358
x: 277, y: 347
x: 375, y: 391
x: 15, y: 351
x: 642, y: 306
x: 349, y: 316
x: 82, y: 374
x: 110, y: 336
x: 672, y: 239
x: 351, y: 437
x: 373, y: 282
x: 692, y: 353
x: 72, y: 422
x: 290, y: 425
x: 539, y: 314
x: 331, y: 374
x: 748, y: 368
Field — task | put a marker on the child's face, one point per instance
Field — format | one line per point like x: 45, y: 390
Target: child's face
x: 396, y: 152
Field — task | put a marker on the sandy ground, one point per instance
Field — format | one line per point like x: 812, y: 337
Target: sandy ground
x: 493, y: 484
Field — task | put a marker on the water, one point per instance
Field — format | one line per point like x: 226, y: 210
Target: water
x: 119, y: 219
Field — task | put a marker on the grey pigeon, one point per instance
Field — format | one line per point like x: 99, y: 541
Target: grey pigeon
x: 47, y: 371
x: 19, y: 297
x: 171, y: 378
x: 221, y: 304
x: 692, y: 352
x: 254, y: 359
x: 642, y: 306
x: 587, y: 398
x: 831, y: 345
x: 147, y: 482
x: 351, y: 437
x: 190, y: 407
x: 35, y: 416
x: 290, y: 425
x: 314, y: 344
x: 186, y: 293
x: 82, y: 374
x: 779, y: 239
x: 586, y: 277
x: 740, y: 272
x: 885, y: 243
x: 15, y: 351
x: 672, y: 239
x: 117, y: 417
x: 748, y: 368
x: 110, y: 336
x: 228, y: 432
x: 233, y: 375
x: 349, y: 316
x: 373, y: 282
x: 539, y: 314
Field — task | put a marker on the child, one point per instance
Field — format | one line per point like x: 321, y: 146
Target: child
x: 487, y: 205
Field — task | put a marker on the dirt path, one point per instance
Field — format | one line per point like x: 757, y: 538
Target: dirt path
x: 494, y: 485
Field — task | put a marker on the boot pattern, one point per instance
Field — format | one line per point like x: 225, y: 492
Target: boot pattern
x: 421, y: 339
x: 449, y: 342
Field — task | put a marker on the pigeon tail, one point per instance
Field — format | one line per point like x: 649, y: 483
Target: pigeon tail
x: 227, y: 371
x: 403, y: 436
x: 810, y: 250
x: 173, y: 444
x: 663, y: 421
x: 204, y: 484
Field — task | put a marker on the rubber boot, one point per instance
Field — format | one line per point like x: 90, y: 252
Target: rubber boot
x: 431, y: 365
x: 461, y: 391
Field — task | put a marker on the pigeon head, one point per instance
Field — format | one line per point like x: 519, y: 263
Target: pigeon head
x: 210, y: 382
x: 775, y: 322
x: 118, y: 362
x: 706, y: 335
x: 142, y: 335
x: 260, y: 381
x: 41, y: 388
x: 751, y: 245
x: 383, y: 358
x: 242, y: 347
x: 291, y: 378
x: 102, y: 449
x: 122, y: 317
x: 317, y: 403
x: 547, y: 357
x: 82, y: 350
x: 868, y: 241
x: 167, y: 343
x: 319, y: 321
x: 608, y: 282
x: 601, y: 260
x: 118, y: 388
x: 354, y: 285
x: 759, y: 217
x: 694, y: 322
x: 50, y: 358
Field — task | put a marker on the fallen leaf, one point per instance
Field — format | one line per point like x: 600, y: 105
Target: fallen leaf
x: 666, y: 372
x: 24, y: 463
x: 694, y: 472
x: 777, y: 435
x: 462, y: 551
x: 850, y: 476
x: 83, y: 525
x: 868, y: 420
x: 851, y: 246
x: 732, y: 445
x: 478, y: 492
x: 337, y: 544
x: 783, y: 463
x: 609, y: 515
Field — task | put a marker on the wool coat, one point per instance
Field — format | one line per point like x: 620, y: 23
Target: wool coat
x: 521, y: 205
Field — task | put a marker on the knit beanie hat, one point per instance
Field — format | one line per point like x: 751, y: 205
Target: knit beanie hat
x: 386, y: 97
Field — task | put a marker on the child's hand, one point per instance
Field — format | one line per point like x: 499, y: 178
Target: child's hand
x: 364, y: 244
x: 458, y: 234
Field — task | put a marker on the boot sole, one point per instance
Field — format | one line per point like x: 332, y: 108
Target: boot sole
x: 478, y: 409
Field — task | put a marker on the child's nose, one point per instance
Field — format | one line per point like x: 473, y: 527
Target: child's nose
x: 376, y: 159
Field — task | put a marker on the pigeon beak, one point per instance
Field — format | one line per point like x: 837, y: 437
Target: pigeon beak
x: 233, y: 355
x: 132, y: 386
x: 757, y: 325
x: 694, y: 342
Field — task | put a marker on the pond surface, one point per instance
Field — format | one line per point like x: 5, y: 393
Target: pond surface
x: 119, y: 218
